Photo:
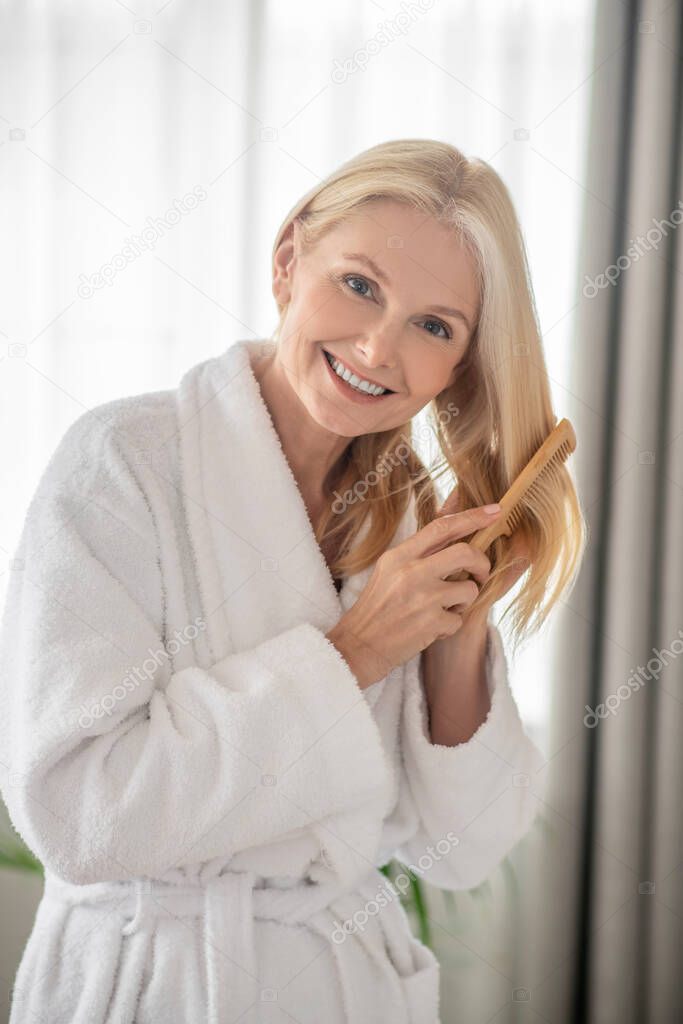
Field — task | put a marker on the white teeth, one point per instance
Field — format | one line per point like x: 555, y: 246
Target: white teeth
x: 355, y: 382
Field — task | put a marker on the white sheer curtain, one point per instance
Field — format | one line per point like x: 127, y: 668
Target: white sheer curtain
x: 216, y: 118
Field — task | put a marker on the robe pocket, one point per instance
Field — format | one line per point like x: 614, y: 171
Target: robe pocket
x: 416, y: 966
x: 421, y: 986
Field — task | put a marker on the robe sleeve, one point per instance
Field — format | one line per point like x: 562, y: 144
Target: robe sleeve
x: 472, y: 802
x: 113, y: 766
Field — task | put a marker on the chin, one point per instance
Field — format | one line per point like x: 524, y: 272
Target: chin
x: 332, y: 420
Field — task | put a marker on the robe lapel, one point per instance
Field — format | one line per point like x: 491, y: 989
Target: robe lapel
x: 259, y: 567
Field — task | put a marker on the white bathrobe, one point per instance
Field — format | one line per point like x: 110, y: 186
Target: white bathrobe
x: 210, y: 792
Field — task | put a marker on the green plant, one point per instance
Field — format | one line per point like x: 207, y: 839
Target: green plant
x: 15, y: 854
x: 413, y: 900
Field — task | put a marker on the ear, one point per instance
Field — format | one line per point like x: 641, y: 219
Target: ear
x: 283, y: 263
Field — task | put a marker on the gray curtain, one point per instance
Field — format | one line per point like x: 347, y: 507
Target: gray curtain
x: 602, y: 922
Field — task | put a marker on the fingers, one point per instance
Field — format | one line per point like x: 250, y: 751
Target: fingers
x: 461, y: 594
x: 458, y: 556
x: 449, y: 623
x: 448, y: 528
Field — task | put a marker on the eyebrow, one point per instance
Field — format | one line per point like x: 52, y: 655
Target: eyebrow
x: 382, y: 276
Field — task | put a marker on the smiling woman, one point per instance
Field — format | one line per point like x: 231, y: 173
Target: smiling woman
x: 406, y: 269
x: 385, y: 331
x: 212, y: 829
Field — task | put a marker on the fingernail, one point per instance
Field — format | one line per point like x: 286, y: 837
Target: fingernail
x: 490, y: 508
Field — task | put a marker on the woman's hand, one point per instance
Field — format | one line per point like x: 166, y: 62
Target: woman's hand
x: 517, y: 546
x: 454, y: 667
x: 407, y: 603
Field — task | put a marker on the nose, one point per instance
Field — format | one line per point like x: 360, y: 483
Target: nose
x: 378, y: 349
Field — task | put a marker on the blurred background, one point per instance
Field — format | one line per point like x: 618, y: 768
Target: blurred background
x: 187, y: 131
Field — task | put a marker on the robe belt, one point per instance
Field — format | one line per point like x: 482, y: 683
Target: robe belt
x: 229, y: 903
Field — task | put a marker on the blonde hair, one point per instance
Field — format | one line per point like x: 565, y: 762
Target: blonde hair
x: 501, y: 392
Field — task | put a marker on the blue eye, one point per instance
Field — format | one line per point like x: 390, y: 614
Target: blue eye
x: 354, y: 277
x: 439, y: 324
x: 357, y: 277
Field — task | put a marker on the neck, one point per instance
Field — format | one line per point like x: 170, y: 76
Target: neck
x: 311, y: 451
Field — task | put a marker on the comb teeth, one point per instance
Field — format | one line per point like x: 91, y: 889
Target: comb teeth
x: 553, y: 452
x: 551, y: 463
x: 514, y: 518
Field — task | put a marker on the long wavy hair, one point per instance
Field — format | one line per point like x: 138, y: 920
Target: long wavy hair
x: 491, y: 420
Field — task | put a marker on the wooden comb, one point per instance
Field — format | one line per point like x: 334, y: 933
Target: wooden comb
x: 555, y: 450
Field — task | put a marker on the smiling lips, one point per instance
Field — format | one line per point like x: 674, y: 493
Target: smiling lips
x: 348, y: 375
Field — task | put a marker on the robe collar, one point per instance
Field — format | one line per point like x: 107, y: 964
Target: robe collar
x: 259, y: 567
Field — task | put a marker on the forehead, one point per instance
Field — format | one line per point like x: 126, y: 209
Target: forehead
x: 421, y: 257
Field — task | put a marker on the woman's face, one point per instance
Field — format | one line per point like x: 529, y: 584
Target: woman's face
x: 383, y: 322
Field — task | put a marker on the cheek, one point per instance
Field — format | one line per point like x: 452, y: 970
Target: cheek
x: 323, y: 311
x: 428, y: 370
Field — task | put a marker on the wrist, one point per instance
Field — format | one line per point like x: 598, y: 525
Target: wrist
x: 475, y: 623
x: 352, y: 651
x: 471, y: 638
x: 462, y: 654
